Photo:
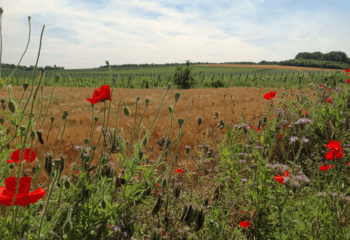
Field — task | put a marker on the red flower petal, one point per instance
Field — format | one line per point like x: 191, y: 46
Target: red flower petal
x: 26, y: 158
x: 347, y: 70
x: 348, y: 81
x: 163, y: 233
x: 101, y: 94
x: 251, y: 127
x: 286, y: 173
x: 244, y: 224
x: 178, y: 170
x: 270, y: 95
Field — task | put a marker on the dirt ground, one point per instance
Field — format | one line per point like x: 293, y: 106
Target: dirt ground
x: 269, y: 67
x: 79, y: 118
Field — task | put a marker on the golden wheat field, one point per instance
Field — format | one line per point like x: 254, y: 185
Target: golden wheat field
x: 79, y: 118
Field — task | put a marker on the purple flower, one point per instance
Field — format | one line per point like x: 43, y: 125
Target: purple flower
x: 293, y: 139
x: 303, y: 121
x: 242, y: 161
x: 304, y: 140
x: 244, y: 180
x: 259, y: 147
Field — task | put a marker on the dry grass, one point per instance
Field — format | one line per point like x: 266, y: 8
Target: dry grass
x: 269, y: 67
x: 79, y: 119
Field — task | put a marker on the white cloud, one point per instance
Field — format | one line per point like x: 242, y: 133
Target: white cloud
x: 84, y: 34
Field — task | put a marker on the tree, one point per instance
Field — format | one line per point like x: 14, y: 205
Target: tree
x: 183, y: 78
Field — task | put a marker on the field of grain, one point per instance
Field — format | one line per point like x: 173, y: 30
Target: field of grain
x: 79, y: 119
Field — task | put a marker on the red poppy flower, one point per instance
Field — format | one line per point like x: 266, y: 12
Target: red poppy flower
x: 286, y: 173
x: 325, y: 168
x: 347, y: 70
x: 155, y: 192
x: 270, y: 95
x: 108, y: 225
x: 328, y: 89
x: 101, y: 94
x: 285, y: 107
x: 243, y: 212
x: 157, y: 184
x: 274, y: 115
x: 163, y: 233
x: 270, y: 119
x: 178, y: 170
x: 279, y: 136
x: 335, y: 150
x: 244, y: 224
x: 279, y: 179
x: 26, y: 158
x: 288, y: 125
x: 258, y: 130
x: 78, y: 172
x: 348, y: 81
x: 349, y: 163
x: 321, y: 85
x: 251, y: 127
x: 24, y: 197
x: 329, y: 100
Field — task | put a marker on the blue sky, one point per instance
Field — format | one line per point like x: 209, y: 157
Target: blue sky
x: 86, y: 33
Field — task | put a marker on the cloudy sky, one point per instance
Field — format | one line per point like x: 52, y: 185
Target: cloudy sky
x: 86, y: 33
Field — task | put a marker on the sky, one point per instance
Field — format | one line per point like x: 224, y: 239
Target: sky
x: 85, y: 33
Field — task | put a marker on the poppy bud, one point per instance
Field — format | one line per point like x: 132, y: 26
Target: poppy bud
x: 180, y: 121
x: 23, y: 128
x: 29, y: 17
x: 199, y: 121
x: 164, y: 183
x: 65, y: 115
x: 57, y: 163
x: 147, y: 101
x: 140, y: 154
x: 170, y: 109
x: 25, y: 85
x: 67, y: 227
x: 2, y: 120
x: 52, y: 119
x: 12, y: 106
x: 48, y: 163
x: 126, y: 111
x: 93, y: 148
x: 3, y: 107
x: 86, y: 140
x: 104, y: 204
x: 177, y: 96
x: 144, y: 141
x: 169, y: 86
x: 199, y: 220
x: 177, y: 192
x: 157, y: 206
x: 41, y: 206
x: 2, y: 101
x: 67, y: 184
x: 96, y: 118
x: 32, y: 135
x: 40, y: 136
x: 57, y: 78
x: 12, y: 166
x: 104, y: 160
x: 137, y: 99
x: 33, y: 170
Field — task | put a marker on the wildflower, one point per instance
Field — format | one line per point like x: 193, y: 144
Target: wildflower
x: 163, y: 233
x: 251, y: 127
x: 116, y: 228
x: 26, y: 158
x: 155, y: 192
x: 270, y: 95
x: 304, y: 140
x: 286, y: 173
x: 243, y: 212
x: 242, y: 161
x: 325, y: 168
x: 293, y: 139
x: 242, y: 154
x: 289, y: 126
x: 100, y: 95
x: 258, y: 130
x: 347, y: 70
x: 279, y: 136
x: 348, y: 81
x: 244, y: 224
x: 303, y: 121
x: 274, y: 115
x: 157, y: 184
x: 321, y: 86
x: 178, y: 170
x: 73, y: 163
x: 279, y: 179
x: 329, y: 100
x: 328, y: 89
x: 24, y: 197
x: 259, y: 147
x: 236, y: 126
x: 78, y: 172
x: 244, y: 180
x: 335, y: 150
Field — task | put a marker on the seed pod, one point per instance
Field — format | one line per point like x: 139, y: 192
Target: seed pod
x: 40, y: 136
x: 96, y: 118
x: 180, y: 121
x: 158, y: 206
x: 93, y: 148
x: 32, y: 135
x: 176, y: 96
x: 23, y: 128
x: 189, y: 216
x: 12, y: 106
x: 86, y: 141
x: 65, y: 115
x: 140, y: 154
x: 25, y: 85
x: 169, y: 86
x: 57, y: 163
x: 199, y: 120
x: 63, y: 160
x: 104, y: 204
x: 52, y: 119
x: 2, y: 101
x: 126, y: 111
x: 12, y: 166
x: 137, y: 99
x: 171, y: 109
x: 67, y: 227
x: 147, y: 101
x: 57, y: 78
x: 67, y: 184
x: 177, y: 191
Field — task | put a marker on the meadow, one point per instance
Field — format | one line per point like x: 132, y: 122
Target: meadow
x: 256, y: 161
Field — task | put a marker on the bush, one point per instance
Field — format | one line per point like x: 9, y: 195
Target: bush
x: 183, y: 78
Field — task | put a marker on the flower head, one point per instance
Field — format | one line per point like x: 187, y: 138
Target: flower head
x: 101, y: 94
x: 270, y: 95
x: 26, y: 157
x: 335, y: 150
x: 244, y: 224
x: 24, y: 197
x: 178, y: 170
